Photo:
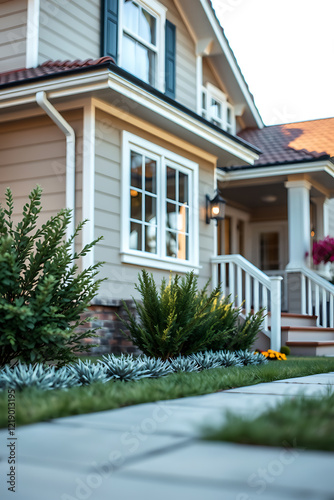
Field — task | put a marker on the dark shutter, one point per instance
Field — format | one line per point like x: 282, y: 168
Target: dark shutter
x: 109, y: 28
x: 170, y: 59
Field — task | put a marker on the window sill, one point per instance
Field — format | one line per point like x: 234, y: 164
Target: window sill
x: 157, y: 263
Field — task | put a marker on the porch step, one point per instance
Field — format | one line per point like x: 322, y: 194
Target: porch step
x: 300, y: 333
x: 291, y: 319
x: 311, y: 348
x: 306, y: 333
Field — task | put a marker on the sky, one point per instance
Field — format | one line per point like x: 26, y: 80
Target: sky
x: 285, y: 49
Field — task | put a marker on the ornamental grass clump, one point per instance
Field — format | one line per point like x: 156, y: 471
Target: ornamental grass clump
x: 124, y: 368
x: 40, y: 376
x: 86, y: 372
x: 155, y: 366
x: 206, y: 360
x: 42, y: 294
x: 184, y: 364
x: 180, y: 319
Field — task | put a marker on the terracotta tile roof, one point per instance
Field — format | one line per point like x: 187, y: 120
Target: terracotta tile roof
x: 292, y: 142
x: 50, y: 68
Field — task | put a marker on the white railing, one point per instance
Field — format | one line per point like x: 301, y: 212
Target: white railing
x: 317, y: 297
x: 251, y: 288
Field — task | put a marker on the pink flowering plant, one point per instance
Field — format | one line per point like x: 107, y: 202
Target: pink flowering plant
x: 323, y: 251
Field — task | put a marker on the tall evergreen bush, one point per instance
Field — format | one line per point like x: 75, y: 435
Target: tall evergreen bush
x: 42, y: 294
x: 180, y: 319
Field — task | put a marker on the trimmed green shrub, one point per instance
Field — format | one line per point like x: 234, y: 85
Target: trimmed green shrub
x: 285, y: 350
x: 180, y: 319
x: 42, y: 295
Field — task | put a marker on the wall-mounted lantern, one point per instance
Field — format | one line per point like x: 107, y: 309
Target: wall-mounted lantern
x: 215, y: 208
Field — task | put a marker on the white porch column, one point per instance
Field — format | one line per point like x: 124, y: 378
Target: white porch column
x: 322, y: 228
x: 299, y: 222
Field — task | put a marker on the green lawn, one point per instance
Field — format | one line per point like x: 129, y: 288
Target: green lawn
x: 33, y: 405
x: 300, y: 423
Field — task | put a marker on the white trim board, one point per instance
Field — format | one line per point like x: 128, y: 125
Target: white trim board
x: 277, y: 170
x: 104, y: 79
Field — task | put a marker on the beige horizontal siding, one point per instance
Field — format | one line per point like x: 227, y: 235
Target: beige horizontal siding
x: 32, y: 151
x: 69, y: 30
x: 208, y: 75
x: 185, y: 58
x: 13, y: 30
x: 121, y: 277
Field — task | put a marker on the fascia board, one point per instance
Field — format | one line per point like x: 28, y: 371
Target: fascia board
x: 279, y: 170
x: 127, y: 89
x: 231, y: 61
x: 102, y: 80
x: 56, y: 87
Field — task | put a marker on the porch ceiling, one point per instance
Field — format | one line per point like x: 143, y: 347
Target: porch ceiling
x: 250, y: 196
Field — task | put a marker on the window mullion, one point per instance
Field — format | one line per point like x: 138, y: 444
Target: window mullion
x: 162, y: 208
x: 139, y: 39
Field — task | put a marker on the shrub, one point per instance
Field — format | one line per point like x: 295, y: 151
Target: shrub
x: 285, y: 350
x: 42, y: 294
x: 180, y: 319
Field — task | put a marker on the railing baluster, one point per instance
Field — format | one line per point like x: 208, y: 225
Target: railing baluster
x: 309, y: 297
x: 265, y: 305
x: 331, y: 311
x: 303, y: 294
x: 248, y: 295
x: 223, y: 277
x: 324, y: 308
x: 317, y: 303
x: 214, y: 274
x: 239, y: 286
x: 256, y: 295
x: 231, y: 281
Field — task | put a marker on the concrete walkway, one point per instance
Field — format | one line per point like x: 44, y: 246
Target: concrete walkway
x: 153, y: 451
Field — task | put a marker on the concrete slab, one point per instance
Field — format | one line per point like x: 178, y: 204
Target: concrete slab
x: 327, y: 379
x: 254, y: 468
x: 284, y: 388
x: 228, y: 400
x: 44, y: 483
x: 79, y: 448
x: 120, y: 418
x: 155, y: 419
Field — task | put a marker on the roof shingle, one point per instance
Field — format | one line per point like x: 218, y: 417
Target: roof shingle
x: 50, y: 68
x: 292, y: 142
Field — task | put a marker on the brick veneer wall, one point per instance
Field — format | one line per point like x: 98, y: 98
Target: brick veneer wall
x: 108, y: 328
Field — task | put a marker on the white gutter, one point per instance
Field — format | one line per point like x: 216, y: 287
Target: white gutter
x: 276, y: 170
x: 62, y: 124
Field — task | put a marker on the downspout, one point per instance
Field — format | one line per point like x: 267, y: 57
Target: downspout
x: 61, y: 123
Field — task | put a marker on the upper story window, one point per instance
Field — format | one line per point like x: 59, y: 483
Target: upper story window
x: 140, y: 39
x: 141, y: 49
x: 159, y: 195
x: 217, y: 109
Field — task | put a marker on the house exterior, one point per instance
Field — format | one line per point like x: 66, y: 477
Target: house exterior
x: 131, y: 112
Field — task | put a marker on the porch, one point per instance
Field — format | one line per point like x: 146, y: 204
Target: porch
x: 264, y: 245
x: 308, y: 325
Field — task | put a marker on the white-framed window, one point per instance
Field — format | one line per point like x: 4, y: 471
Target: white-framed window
x: 142, y: 40
x: 159, y: 206
x: 217, y: 109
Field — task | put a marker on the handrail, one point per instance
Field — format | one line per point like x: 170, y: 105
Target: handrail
x: 249, y: 286
x: 317, y: 296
